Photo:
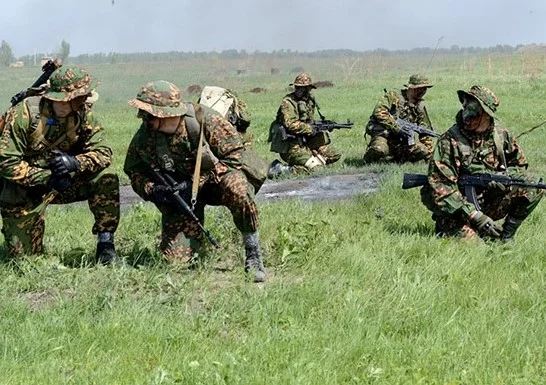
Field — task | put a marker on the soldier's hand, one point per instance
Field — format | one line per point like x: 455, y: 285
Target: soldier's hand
x: 314, y: 130
x: 161, y: 195
x: 60, y: 183
x: 496, y: 187
x: 486, y: 225
x: 63, y: 163
x: 184, y: 189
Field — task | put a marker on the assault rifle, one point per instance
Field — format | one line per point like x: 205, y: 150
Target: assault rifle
x: 407, y: 129
x: 469, y: 183
x: 47, y: 69
x: 182, y: 206
x: 329, y: 125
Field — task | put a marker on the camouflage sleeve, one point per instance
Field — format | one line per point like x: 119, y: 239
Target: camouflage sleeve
x: 515, y: 157
x: 137, y: 170
x: 225, y: 142
x: 93, y: 155
x: 290, y: 119
x: 385, y: 109
x: 443, y: 175
x: 13, y: 146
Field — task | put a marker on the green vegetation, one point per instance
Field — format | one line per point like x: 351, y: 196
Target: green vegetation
x: 359, y: 291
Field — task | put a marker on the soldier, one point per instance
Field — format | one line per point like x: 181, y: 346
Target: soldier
x: 475, y: 144
x: 52, y: 151
x: 293, y: 137
x: 387, y: 144
x: 168, y: 139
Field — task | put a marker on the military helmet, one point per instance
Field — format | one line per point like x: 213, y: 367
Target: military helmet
x: 487, y: 99
x: 160, y: 98
x: 303, y: 80
x: 418, y: 81
x: 67, y: 83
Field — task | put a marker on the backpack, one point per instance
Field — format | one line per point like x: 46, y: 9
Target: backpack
x: 227, y: 104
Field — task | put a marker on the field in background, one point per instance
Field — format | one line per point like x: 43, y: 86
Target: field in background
x: 359, y: 291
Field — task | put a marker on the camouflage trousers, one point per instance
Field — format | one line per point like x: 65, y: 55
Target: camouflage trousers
x: 298, y: 155
x: 518, y: 202
x: 382, y: 149
x: 181, y: 237
x: 23, y: 224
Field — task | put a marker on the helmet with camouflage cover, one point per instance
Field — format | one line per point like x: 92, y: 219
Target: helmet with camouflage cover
x: 487, y: 99
x: 67, y: 83
x: 159, y: 98
x: 303, y: 80
x: 418, y: 81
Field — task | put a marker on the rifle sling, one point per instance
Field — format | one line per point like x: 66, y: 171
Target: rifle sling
x: 193, y: 126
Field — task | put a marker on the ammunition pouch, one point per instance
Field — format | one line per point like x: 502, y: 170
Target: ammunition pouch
x: 318, y: 140
x: 375, y: 129
x: 280, y: 141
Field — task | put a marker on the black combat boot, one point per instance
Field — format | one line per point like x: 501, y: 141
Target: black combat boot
x: 509, y: 228
x: 277, y: 169
x: 106, y: 251
x: 253, y: 262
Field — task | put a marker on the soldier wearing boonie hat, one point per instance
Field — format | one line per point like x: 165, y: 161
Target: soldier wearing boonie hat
x: 293, y: 122
x: 476, y: 145
x: 168, y: 139
x: 386, y: 143
x: 55, y: 153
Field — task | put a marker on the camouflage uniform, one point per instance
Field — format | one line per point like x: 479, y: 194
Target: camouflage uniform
x: 30, y: 137
x: 222, y: 180
x: 494, y: 151
x: 295, y: 115
x: 386, y: 143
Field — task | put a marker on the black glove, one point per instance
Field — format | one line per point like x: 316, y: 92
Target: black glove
x: 184, y: 189
x: 486, y: 225
x: 63, y: 163
x: 60, y: 183
x: 496, y: 187
x: 161, y: 195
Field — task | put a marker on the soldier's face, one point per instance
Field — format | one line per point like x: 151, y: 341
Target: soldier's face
x: 63, y: 109
x: 474, y: 117
x: 301, y: 92
x: 416, y: 94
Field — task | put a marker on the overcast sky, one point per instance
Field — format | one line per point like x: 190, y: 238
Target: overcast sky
x: 92, y: 26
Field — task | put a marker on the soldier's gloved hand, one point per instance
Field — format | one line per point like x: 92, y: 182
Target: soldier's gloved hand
x: 486, y: 225
x: 314, y: 130
x: 184, y: 189
x: 60, y: 183
x: 496, y: 187
x: 161, y: 195
x: 63, y: 163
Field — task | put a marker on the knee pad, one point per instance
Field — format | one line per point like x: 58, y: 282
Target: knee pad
x: 315, y: 161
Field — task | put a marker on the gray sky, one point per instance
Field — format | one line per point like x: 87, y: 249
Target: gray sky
x: 92, y: 26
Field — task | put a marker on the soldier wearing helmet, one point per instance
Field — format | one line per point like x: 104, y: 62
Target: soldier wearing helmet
x: 476, y: 145
x: 292, y: 136
x: 387, y: 144
x: 168, y: 140
x: 52, y: 152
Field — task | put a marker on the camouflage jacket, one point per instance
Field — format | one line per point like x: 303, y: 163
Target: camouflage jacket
x: 295, y: 115
x: 31, y: 132
x: 394, y: 105
x: 177, y: 155
x: 460, y: 152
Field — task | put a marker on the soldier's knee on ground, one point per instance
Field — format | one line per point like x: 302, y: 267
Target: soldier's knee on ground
x: 418, y: 152
x: 377, y: 150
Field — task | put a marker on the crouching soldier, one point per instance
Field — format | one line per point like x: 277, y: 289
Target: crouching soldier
x: 202, y: 152
x: 52, y: 151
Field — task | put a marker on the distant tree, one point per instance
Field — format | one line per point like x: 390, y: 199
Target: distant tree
x: 6, y: 54
x: 64, y: 51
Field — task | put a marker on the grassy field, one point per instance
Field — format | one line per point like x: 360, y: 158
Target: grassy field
x: 359, y: 291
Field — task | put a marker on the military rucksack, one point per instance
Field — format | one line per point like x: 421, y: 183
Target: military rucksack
x: 227, y: 104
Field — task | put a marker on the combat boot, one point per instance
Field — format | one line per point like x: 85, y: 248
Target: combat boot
x: 253, y: 262
x: 106, y: 250
x: 277, y: 169
x: 509, y: 228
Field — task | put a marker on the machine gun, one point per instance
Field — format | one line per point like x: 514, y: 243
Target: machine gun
x: 407, y: 129
x: 47, y: 69
x: 469, y: 182
x: 182, y: 206
x: 329, y: 125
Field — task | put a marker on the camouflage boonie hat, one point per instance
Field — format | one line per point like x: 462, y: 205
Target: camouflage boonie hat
x: 487, y: 99
x: 418, y: 81
x: 67, y: 83
x: 161, y: 99
x: 303, y: 80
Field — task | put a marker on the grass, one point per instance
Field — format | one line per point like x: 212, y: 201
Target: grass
x: 359, y: 291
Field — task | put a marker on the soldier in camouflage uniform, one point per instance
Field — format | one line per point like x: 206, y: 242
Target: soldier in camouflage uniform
x: 168, y: 140
x: 52, y: 151
x: 303, y: 149
x: 387, y: 144
x: 475, y: 144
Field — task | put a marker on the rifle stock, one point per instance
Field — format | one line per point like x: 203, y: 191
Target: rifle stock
x: 47, y: 69
x: 414, y: 180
